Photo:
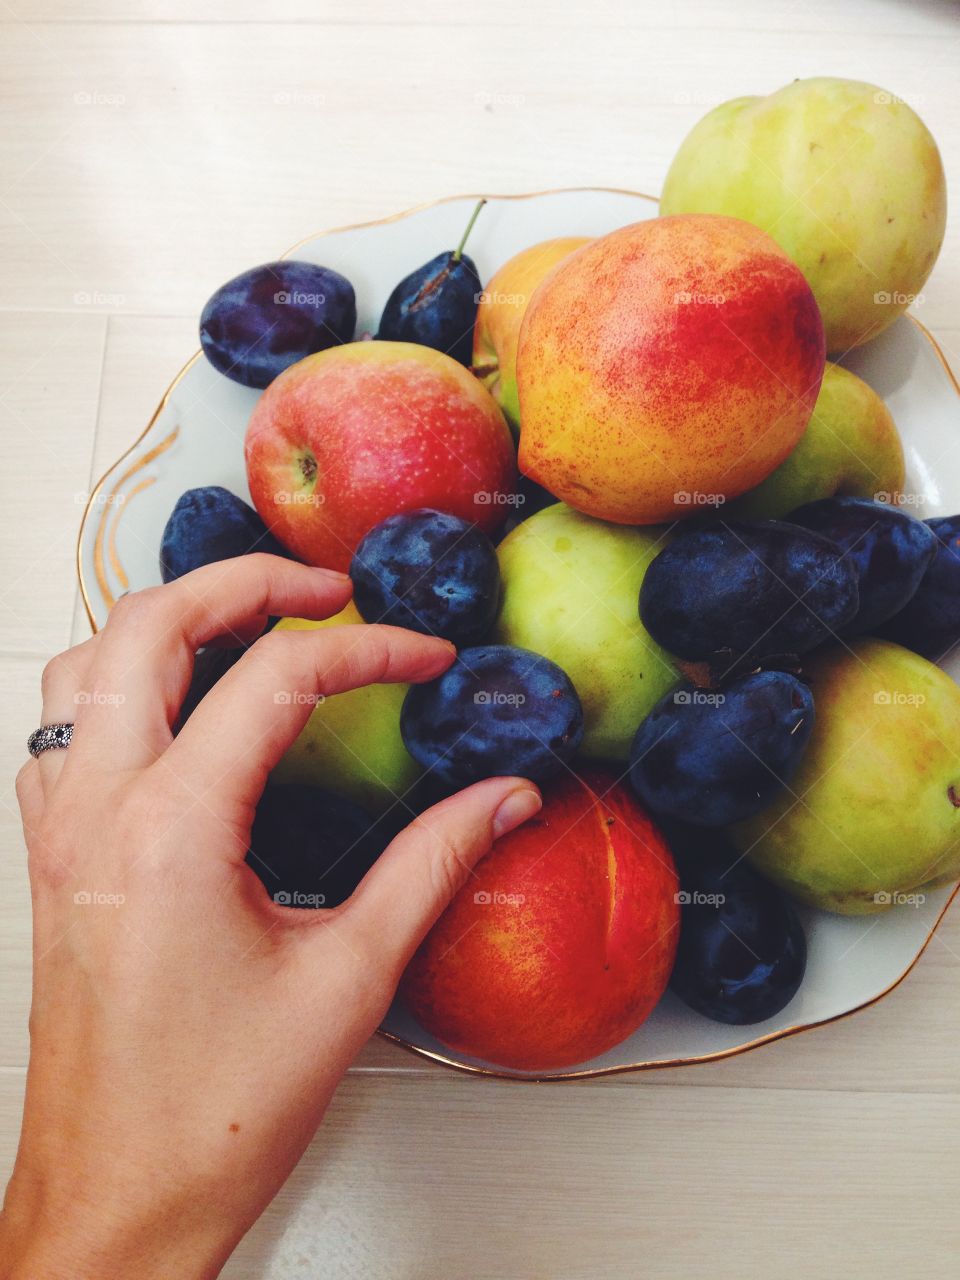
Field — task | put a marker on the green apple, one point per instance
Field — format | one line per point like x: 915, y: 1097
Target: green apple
x: 872, y: 815
x: 850, y: 447
x: 845, y: 177
x: 571, y: 587
x: 351, y: 744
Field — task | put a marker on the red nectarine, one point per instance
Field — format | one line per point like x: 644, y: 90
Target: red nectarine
x: 563, y: 939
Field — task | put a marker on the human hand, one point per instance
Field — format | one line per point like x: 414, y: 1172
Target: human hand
x: 187, y: 1032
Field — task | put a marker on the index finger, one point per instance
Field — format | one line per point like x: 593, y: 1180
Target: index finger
x: 246, y: 722
x: 145, y: 654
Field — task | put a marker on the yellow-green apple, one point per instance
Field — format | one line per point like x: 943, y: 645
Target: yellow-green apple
x: 351, y: 435
x: 670, y: 364
x: 873, y: 814
x: 570, y: 591
x: 351, y: 744
x: 851, y: 448
x: 500, y: 313
x: 845, y: 176
x: 563, y: 939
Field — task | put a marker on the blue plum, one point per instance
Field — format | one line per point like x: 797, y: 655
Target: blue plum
x: 762, y: 589
x: 311, y: 848
x: 713, y: 757
x: 890, y: 549
x: 436, y: 305
x: 742, y: 952
x: 497, y: 710
x: 430, y: 572
x: 266, y: 319
x: 929, y: 623
x: 211, y: 524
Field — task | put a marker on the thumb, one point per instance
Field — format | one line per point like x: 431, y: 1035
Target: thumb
x: 418, y: 874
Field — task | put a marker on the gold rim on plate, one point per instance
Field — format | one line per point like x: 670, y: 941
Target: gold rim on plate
x: 105, y: 545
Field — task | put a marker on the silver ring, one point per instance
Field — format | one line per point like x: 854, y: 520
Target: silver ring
x: 49, y: 737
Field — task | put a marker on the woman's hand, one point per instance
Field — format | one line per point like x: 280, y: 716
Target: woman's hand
x: 187, y: 1032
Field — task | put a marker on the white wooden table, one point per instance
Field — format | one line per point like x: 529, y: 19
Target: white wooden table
x: 152, y: 148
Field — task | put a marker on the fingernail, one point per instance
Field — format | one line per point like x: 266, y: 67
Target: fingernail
x: 517, y: 808
x: 333, y: 574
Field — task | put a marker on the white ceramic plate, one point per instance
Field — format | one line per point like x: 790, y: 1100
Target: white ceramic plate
x: 196, y: 438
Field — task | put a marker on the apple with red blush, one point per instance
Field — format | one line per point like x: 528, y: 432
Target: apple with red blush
x: 351, y: 435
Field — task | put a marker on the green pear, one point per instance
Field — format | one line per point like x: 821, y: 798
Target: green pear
x: 873, y: 814
x: 850, y: 447
x: 571, y: 587
x: 845, y: 177
x: 351, y: 744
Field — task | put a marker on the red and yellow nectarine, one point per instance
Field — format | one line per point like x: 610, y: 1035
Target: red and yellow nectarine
x: 563, y: 939
x: 671, y: 364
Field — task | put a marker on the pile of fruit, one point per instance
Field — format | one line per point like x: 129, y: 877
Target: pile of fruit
x: 670, y: 543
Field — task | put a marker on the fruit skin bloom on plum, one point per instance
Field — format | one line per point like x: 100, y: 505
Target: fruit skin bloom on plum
x: 266, y: 319
x: 436, y: 305
x: 211, y: 524
x: 742, y: 952
x: 929, y: 623
x: 718, y: 756
x: 430, y: 572
x: 889, y: 548
x: 497, y: 710
x: 763, y: 590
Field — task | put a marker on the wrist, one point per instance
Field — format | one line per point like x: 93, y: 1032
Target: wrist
x: 87, y: 1240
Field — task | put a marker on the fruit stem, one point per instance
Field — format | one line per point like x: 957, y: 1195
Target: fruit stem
x: 473, y: 217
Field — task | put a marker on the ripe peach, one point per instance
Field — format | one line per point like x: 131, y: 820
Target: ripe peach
x: 563, y: 939
x: 669, y: 365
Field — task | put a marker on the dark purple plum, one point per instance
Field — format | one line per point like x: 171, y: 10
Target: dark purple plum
x: 742, y: 952
x: 497, y: 710
x: 266, y: 319
x: 713, y: 757
x: 929, y: 623
x: 311, y: 848
x: 211, y: 524
x: 430, y: 572
x: 764, y: 589
x: 436, y: 305
x: 890, y: 549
